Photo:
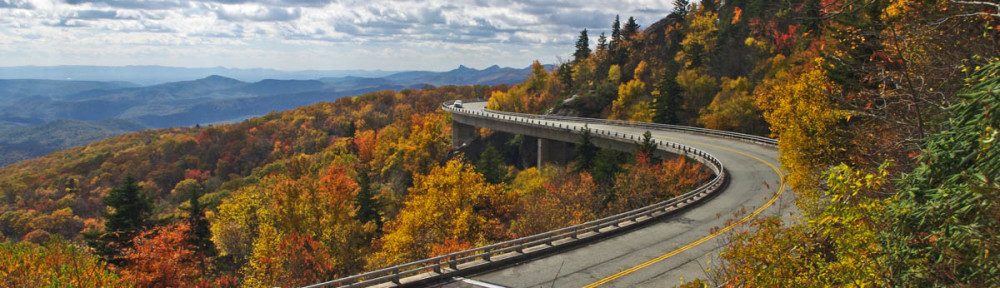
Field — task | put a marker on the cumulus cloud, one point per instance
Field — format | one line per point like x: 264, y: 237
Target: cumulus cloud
x: 344, y: 26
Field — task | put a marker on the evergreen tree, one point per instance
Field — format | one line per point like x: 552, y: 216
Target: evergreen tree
x: 602, y: 43
x: 582, y: 47
x: 813, y: 16
x: 616, y: 34
x: 201, y: 233
x: 365, y: 201
x: 631, y: 29
x: 709, y: 5
x: 130, y: 212
x: 680, y: 8
x: 647, y: 146
x: 586, y: 152
x: 565, y: 75
x: 491, y: 165
x: 669, y: 101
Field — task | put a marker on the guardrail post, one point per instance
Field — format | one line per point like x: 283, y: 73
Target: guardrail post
x: 519, y: 248
x: 395, y: 275
x: 486, y: 256
x: 453, y: 263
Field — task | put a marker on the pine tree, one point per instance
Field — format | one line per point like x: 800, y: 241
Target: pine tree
x: 565, y: 74
x: 365, y: 201
x: 680, y: 8
x: 709, y: 5
x: 491, y: 165
x: 616, y: 34
x: 586, y: 152
x: 647, y: 146
x: 669, y: 101
x: 631, y: 28
x: 582, y: 47
x: 201, y: 233
x: 602, y: 43
x: 130, y: 210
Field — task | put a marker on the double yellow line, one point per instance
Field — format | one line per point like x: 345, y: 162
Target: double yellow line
x: 753, y: 215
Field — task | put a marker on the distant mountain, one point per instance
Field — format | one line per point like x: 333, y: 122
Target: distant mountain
x: 494, y: 75
x: 12, y: 91
x: 151, y: 75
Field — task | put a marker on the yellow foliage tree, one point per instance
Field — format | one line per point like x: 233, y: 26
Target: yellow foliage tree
x: 532, y: 96
x: 733, y: 109
x: 802, y: 116
x: 633, y: 103
x: 450, y: 204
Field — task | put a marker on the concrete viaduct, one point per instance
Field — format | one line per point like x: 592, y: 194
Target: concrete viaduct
x: 660, y: 245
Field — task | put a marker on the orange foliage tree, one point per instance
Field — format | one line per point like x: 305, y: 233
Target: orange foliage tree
x: 162, y: 257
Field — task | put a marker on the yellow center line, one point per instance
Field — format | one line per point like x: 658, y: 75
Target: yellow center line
x: 770, y: 202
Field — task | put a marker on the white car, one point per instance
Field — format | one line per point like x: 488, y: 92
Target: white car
x: 458, y: 104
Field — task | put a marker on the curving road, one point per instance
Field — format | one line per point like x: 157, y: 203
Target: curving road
x: 666, y: 253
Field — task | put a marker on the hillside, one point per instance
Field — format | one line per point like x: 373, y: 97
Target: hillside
x: 25, y: 142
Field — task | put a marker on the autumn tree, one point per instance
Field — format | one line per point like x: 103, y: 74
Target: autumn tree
x: 163, y: 257
x: 802, y: 116
x: 552, y: 198
x: 452, y: 204
x: 57, y: 263
x: 733, y: 109
x: 647, y: 182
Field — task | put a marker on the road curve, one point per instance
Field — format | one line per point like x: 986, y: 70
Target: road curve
x: 673, y: 250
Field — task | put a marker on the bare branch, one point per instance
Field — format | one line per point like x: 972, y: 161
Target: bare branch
x: 995, y: 5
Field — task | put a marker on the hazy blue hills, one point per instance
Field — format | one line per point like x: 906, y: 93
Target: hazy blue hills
x: 17, y: 90
x: 151, y: 75
x: 24, y: 142
x: 38, y: 116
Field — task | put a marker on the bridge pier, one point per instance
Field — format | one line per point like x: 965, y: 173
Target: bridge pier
x: 552, y: 151
x: 461, y: 133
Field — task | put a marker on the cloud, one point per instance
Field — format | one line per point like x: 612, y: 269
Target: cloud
x: 16, y: 4
x: 256, y: 12
x: 549, y: 27
x: 132, y: 4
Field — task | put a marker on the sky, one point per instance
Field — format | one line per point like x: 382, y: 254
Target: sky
x: 432, y: 35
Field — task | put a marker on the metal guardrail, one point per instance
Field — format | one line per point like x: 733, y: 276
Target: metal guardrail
x: 454, y: 263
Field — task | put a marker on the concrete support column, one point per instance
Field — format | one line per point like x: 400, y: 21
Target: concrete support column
x: 461, y: 133
x: 552, y: 151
